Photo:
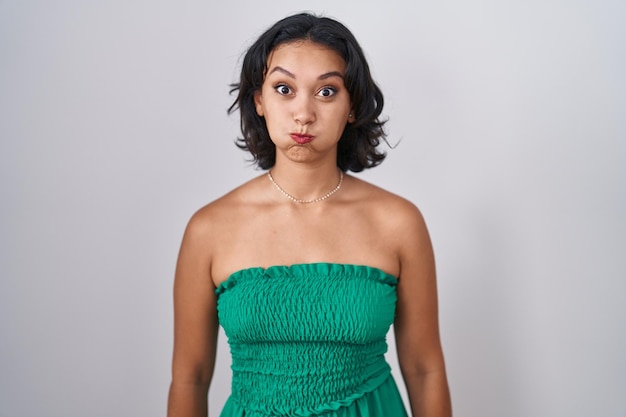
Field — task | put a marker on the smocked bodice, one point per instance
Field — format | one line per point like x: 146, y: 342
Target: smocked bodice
x: 306, y: 338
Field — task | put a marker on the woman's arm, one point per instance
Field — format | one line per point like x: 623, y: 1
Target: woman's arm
x: 416, y: 325
x: 195, y: 324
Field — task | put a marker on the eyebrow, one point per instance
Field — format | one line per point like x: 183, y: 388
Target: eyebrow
x: 292, y: 75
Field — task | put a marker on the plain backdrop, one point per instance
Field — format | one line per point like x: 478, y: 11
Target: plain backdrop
x: 507, y: 121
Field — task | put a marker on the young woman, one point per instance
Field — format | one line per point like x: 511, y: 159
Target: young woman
x: 306, y: 267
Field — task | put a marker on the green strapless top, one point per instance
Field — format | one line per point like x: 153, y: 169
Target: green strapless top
x: 308, y: 338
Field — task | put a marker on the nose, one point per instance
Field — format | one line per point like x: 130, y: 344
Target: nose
x: 304, y: 110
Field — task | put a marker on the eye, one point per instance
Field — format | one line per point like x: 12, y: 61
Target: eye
x: 282, y: 89
x: 327, y: 92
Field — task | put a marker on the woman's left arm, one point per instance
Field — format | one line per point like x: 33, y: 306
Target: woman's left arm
x: 416, y: 324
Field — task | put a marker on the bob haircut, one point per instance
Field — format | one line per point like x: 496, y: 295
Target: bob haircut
x: 358, y: 142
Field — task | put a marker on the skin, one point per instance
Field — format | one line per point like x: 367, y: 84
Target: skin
x: 303, y: 92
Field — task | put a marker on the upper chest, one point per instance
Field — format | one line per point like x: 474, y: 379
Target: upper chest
x: 303, y: 234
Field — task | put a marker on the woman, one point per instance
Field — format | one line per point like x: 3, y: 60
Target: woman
x: 306, y: 267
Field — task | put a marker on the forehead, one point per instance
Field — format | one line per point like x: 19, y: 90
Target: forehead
x: 306, y: 54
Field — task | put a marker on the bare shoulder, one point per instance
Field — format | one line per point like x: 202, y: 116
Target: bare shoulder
x: 227, y: 205
x: 394, y: 211
x: 399, y: 223
x: 209, y: 222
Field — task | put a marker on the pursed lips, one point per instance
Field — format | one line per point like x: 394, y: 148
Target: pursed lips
x: 301, y: 138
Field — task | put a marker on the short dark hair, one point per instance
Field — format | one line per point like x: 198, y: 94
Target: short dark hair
x: 357, y: 145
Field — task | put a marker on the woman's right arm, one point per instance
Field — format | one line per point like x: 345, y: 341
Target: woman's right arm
x: 195, y: 324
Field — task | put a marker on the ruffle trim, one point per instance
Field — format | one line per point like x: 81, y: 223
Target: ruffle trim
x: 309, y: 270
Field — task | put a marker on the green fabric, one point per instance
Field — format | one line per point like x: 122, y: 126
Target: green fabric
x: 309, y: 339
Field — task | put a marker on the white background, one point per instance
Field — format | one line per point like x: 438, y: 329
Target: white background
x: 510, y: 122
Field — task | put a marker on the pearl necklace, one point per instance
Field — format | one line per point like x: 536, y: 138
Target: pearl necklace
x: 315, y: 200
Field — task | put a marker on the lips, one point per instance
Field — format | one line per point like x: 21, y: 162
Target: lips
x: 301, y: 139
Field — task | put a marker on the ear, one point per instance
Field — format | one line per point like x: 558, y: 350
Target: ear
x: 258, y: 103
x: 351, y: 117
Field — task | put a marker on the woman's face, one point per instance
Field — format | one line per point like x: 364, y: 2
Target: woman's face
x: 304, y: 100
